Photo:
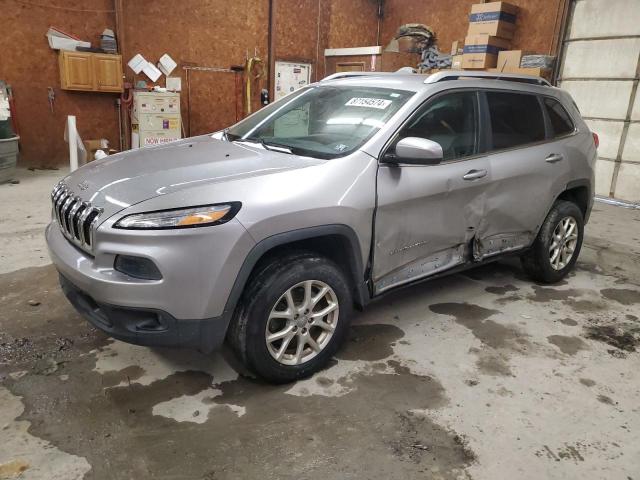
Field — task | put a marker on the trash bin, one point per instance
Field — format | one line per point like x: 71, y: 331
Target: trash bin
x: 8, y: 158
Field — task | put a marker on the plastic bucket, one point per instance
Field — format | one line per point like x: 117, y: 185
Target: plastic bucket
x: 8, y: 158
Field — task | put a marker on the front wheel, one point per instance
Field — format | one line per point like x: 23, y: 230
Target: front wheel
x: 294, y: 315
x: 557, y: 246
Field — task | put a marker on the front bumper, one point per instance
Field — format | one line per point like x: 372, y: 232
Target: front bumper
x: 187, y: 307
x: 146, y: 326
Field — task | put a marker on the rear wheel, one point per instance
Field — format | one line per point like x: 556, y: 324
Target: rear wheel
x: 557, y: 246
x: 293, y: 317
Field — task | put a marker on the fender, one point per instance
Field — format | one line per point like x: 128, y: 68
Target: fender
x: 356, y: 270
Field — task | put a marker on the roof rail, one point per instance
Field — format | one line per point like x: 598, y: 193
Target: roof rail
x: 355, y: 74
x: 509, y: 77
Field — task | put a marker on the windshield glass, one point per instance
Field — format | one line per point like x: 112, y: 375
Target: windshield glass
x: 321, y: 121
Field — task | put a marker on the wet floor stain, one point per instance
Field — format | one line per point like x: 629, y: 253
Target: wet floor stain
x: 587, y: 382
x: 568, y: 345
x: 546, y: 294
x: 370, y: 342
x: 623, y: 336
x: 568, y: 322
x: 259, y: 441
x: 503, y: 290
x: 625, y: 296
x: 606, y: 400
x: 476, y: 319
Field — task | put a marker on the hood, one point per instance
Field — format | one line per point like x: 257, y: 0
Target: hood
x: 127, y: 178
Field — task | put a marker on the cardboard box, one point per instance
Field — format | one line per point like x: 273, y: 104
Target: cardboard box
x: 510, y: 58
x: 91, y: 146
x: 481, y: 51
x: 536, y: 72
x: 497, y: 19
x: 456, y: 62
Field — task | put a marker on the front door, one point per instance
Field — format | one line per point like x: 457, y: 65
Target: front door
x: 427, y: 216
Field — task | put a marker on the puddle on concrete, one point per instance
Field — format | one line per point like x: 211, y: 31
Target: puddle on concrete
x: 568, y: 345
x: 369, y: 342
x: 625, y: 296
x: 476, y: 319
x: 547, y: 294
x: 501, y: 290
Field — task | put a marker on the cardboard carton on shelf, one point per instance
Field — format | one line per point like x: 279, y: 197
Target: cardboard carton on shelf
x: 481, y: 51
x: 510, y: 58
x: 497, y: 19
x: 456, y: 62
x: 536, y: 72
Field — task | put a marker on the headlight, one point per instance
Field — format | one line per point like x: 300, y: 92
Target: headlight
x: 202, y: 216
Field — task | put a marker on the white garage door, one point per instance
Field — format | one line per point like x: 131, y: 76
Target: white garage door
x: 600, y: 69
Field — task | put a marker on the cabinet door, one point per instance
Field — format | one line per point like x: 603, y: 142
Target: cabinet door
x: 108, y: 70
x: 76, y: 71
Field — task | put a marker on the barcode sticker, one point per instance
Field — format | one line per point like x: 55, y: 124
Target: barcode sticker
x: 378, y: 103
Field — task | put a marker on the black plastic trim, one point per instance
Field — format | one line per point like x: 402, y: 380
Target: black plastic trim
x: 356, y: 268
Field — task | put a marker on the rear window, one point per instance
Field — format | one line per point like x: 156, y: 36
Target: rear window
x: 560, y: 119
x: 516, y: 119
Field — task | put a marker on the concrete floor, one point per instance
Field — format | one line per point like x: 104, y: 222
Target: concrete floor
x: 482, y: 375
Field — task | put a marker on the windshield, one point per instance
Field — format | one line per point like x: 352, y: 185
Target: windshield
x: 321, y: 121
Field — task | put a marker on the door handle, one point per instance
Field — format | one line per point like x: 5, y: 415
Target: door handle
x: 474, y: 174
x: 553, y: 158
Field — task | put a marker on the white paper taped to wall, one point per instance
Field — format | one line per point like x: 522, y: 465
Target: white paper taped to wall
x: 137, y: 63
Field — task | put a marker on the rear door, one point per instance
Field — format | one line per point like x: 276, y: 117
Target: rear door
x: 529, y: 170
x: 427, y: 214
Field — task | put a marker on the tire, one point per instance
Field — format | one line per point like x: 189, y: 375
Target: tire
x: 539, y: 262
x: 265, y: 304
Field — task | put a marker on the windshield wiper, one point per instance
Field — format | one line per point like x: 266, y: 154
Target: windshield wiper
x: 272, y: 146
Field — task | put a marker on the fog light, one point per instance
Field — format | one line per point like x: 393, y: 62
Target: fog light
x: 137, y: 267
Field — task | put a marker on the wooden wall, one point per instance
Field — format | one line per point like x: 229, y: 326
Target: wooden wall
x: 30, y: 66
x: 210, y: 33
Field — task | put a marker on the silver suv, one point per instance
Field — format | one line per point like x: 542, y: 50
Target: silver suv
x: 269, y: 233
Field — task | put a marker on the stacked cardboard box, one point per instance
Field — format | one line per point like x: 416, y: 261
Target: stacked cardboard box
x: 491, y: 26
x: 509, y: 62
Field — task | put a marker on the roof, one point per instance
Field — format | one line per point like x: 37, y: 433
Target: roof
x: 416, y: 82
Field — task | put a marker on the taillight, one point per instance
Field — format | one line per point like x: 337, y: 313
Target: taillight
x: 596, y: 140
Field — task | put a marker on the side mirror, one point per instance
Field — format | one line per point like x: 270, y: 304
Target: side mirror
x: 417, y: 151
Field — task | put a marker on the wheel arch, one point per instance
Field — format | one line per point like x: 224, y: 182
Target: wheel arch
x: 579, y: 192
x: 338, y: 242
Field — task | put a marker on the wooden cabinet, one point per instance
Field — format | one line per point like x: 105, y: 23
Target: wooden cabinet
x: 90, y: 72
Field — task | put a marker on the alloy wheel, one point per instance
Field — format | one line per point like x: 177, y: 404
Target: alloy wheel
x: 302, y: 322
x: 563, y: 243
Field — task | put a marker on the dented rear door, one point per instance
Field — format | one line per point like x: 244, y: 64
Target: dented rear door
x: 528, y: 172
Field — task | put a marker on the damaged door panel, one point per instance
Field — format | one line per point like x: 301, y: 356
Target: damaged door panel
x: 523, y: 180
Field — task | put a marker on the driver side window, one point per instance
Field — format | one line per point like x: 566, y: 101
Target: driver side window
x: 449, y: 120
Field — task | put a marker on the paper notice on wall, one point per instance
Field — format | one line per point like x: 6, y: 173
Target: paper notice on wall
x: 137, y: 63
x: 151, y: 71
x: 167, y: 64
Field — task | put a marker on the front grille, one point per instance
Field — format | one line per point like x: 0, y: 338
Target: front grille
x: 77, y: 219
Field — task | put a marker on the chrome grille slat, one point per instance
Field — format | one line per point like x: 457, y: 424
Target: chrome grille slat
x: 77, y: 219
x: 83, y: 219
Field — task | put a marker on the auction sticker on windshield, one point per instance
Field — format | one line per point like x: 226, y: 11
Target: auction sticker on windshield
x: 378, y: 103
